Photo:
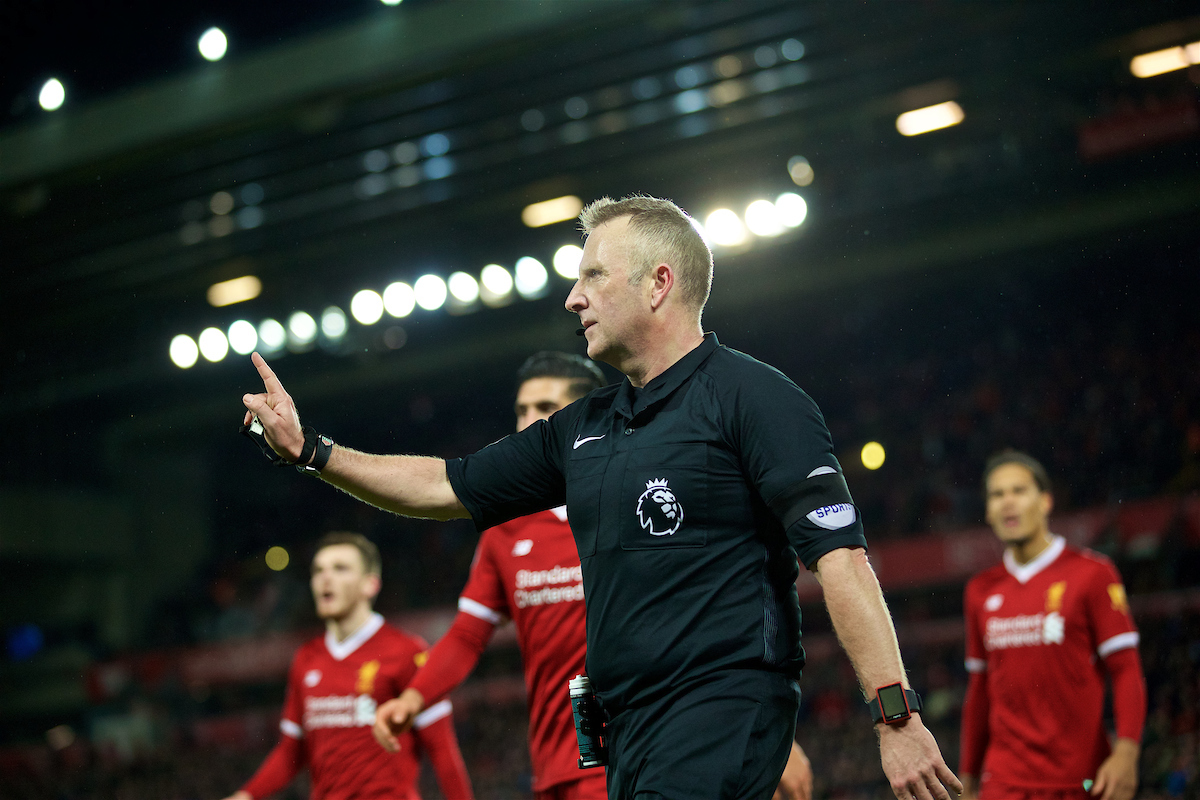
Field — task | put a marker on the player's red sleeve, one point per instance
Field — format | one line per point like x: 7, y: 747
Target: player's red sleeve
x: 277, y: 771
x: 974, y: 731
x: 1128, y: 692
x: 453, y: 657
x: 434, y: 730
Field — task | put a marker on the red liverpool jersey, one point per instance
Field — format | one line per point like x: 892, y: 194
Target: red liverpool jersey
x: 1038, y: 633
x: 332, y: 691
x: 528, y: 569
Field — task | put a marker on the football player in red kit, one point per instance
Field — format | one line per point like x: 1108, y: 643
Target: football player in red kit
x: 1044, y: 628
x: 334, y: 685
x: 528, y: 570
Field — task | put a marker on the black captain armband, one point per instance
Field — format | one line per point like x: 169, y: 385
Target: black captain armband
x: 822, y: 498
x: 314, y: 455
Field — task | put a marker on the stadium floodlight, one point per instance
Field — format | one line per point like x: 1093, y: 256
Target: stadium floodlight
x: 213, y: 344
x: 277, y: 558
x: 531, y: 277
x: 762, y: 218
x: 930, y: 118
x: 873, y: 455
x: 430, y: 292
x: 184, y: 351
x: 243, y: 338
x: 566, y: 261
x: 213, y: 44
x: 52, y: 95
x: 399, y: 299
x: 272, y: 335
x: 496, y: 284
x: 302, y: 329
x: 463, y: 288
x: 1147, y: 65
x: 333, y: 323
x: 792, y: 209
x: 548, y: 212
x: 367, y: 307
x: 236, y: 290
x: 725, y: 228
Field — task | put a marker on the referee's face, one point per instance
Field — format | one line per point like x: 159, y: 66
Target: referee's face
x: 538, y: 398
x: 609, y: 308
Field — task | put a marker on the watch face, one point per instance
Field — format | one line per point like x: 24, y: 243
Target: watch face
x: 893, y: 703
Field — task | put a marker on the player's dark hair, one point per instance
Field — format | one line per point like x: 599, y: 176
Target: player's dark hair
x: 584, y: 375
x: 1040, y: 476
x: 370, y: 553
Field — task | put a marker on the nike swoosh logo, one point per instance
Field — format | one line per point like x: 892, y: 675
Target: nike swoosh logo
x: 586, y: 440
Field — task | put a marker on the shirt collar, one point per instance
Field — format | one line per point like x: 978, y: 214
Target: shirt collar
x: 1023, y: 572
x: 339, y: 650
x: 629, y: 402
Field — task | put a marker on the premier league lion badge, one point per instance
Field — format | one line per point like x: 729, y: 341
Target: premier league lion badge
x: 659, y: 512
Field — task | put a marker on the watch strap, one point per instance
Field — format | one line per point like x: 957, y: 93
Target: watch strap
x: 911, y: 698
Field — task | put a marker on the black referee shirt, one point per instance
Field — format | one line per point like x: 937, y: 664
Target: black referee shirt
x: 690, y: 500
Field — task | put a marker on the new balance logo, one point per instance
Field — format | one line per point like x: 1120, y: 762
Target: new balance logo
x: 586, y: 439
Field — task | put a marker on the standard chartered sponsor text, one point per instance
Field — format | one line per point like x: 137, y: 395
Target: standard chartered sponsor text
x: 528, y: 578
x: 548, y: 595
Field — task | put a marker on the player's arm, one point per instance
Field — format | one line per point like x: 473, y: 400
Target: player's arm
x: 450, y: 661
x: 414, y: 486
x: 797, y: 780
x: 911, y: 758
x: 276, y: 772
x: 973, y: 739
x: 434, y: 729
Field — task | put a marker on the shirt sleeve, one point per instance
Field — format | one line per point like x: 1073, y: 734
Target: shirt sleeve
x: 518, y: 475
x: 787, y: 452
x: 287, y: 758
x: 434, y: 730
x: 453, y: 658
x: 1112, y: 624
x: 485, y: 588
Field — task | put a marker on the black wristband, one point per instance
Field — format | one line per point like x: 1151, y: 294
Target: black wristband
x: 893, y: 703
x: 322, y: 447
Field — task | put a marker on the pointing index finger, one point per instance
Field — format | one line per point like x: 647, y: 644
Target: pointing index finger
x: 271, y: 382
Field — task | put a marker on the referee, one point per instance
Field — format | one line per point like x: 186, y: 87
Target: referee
x: 693, y: 487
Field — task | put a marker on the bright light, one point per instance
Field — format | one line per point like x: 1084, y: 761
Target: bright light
x: 1150, y: 64
x: 548, y: 212
x: 213, y: 344
x: 213, y: 44
x: 792, y: 209
x: 464, y: 288
x: 873, y: 455
x: 566, y: 260
x: 531, y: 277
x: 333, y: 323
x: 272, y: 335
x: 762, y: 218
x: 399, y: 299
x: 52, y: 95
x: 184, y: 351
x: 430, y: 291
x: 302, y: 328
x: 930, y: 118
x: 725, y: 228
x: 800, y: 171
x: 242, y: 337
x: 277, y: 557
x: 238, y: 290
x: 496, y: 282
x: 367, y: 307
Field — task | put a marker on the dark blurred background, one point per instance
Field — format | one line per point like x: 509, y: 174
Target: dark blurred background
x: 1027, y: 276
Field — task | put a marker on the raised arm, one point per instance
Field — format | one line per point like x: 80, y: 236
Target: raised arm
x: 414, y: 486
x: 911, y: 758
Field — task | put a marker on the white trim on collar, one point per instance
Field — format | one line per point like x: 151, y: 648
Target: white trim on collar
x: 1023, y: 572
x: 339, y: 650
x: 560, y: 512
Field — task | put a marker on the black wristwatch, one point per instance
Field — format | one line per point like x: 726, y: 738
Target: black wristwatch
x: 893, y: 704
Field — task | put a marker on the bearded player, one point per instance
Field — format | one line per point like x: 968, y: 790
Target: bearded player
x: 1044, y: 628
x: 527, y: 570
x: 334, y: 685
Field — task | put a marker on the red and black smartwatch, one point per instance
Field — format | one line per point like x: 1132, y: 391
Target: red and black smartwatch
x: 893, y: 703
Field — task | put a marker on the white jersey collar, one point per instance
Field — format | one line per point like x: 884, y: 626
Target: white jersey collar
x: 1023, y: 572
x: 560, y: 512
x: 339, y: 650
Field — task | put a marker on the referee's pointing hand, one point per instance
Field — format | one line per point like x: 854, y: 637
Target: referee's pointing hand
x: 276, y: 412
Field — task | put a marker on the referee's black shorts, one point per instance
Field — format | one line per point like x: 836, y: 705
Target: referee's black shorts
x: 727, y: 737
